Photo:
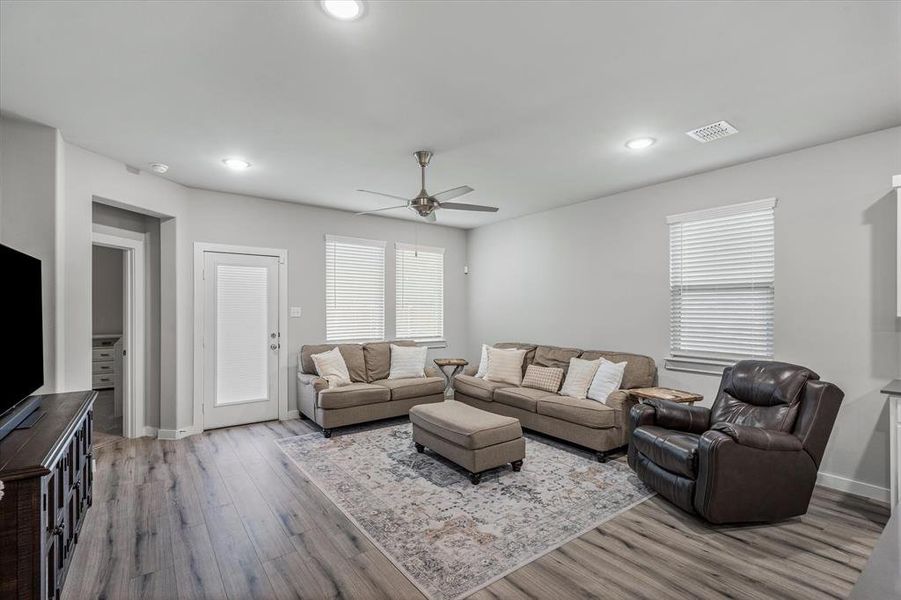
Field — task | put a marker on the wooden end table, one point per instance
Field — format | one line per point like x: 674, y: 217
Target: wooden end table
x: 455, y: 364
x: 659, y: 393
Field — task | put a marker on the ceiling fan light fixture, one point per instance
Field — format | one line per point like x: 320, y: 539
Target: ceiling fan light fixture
x: 343, y: 10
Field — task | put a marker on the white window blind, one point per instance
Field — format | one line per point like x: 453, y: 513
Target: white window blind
x: 722, y: 282
x: 420, y: 292
x: 354, y: 289
x: 241, y: 333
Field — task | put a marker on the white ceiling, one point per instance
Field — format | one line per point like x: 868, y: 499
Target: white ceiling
x: 528, y: 102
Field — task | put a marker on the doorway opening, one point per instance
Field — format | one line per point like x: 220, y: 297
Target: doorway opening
x: 117, y: 349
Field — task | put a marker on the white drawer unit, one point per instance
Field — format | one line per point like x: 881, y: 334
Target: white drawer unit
x: 106, y: 361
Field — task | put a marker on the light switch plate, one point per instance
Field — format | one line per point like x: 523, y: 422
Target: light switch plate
x: 296, y: 312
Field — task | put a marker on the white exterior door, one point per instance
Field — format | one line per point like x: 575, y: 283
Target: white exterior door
x: 240, y: 339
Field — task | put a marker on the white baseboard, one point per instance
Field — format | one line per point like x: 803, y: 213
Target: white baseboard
x: 293, y: 414
x: 177, y: 434
x: 852, y: 486
x: 150, y: 431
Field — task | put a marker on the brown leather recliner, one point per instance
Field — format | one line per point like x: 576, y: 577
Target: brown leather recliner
x: 752, y: 456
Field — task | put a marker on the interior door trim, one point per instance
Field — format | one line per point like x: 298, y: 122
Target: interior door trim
x: 200, y: 249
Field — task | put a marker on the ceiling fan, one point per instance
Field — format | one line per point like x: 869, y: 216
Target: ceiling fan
x: 426, y: 204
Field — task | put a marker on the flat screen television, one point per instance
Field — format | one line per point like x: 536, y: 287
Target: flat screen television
x: 23, y: 370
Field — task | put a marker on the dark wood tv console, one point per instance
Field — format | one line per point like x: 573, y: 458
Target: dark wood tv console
x: 47, y: 471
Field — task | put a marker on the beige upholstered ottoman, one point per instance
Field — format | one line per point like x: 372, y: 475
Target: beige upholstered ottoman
x: 474, y: 439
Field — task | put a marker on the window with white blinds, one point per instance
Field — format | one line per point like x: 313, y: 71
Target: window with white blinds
x: 722, y: 282
x: 354, y: 289
x: 420, y: 292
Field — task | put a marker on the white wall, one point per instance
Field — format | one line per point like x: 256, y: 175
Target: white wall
x: 106, y: 290
x: 595, y: 275
x: 28, y: 154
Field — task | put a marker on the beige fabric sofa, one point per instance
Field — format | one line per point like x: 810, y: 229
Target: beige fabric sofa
x: 595, y: 425
x: 370, y: 396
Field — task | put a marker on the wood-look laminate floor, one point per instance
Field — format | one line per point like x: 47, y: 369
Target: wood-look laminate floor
x: 226, y: 515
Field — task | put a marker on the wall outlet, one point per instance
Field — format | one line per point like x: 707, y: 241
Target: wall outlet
x: 296, y: 312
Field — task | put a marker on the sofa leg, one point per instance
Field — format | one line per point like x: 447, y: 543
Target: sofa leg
x: 475, y: 478
x: 604, y: 455
x: 517, y: 465
x: 326, y: 433
x: 420, y: 448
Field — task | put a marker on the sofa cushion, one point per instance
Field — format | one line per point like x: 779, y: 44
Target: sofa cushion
x: 355, y: 394
x: 641, y: 371
x: 377, y: 358
x: 578, y: 410
x: 352, y: 354
x: 675, y: 451
x: 476, y: 387
x: 520, y: 397
x: 412, y: 387
x: 465, y: 425
x: 553, y: 356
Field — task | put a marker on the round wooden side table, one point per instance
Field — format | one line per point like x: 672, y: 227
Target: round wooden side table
x: 455, y: 365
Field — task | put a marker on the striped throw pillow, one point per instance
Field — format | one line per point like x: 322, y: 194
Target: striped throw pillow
x: 579, y: 377
x: 505, y: 366
x: 407, y: 361
x: 543, y: 378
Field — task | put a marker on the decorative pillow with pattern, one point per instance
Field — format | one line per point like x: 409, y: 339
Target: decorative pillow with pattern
x: 543, y: 378
x: 331, y: 367
x: 505, y: 366
x: 579, y: 377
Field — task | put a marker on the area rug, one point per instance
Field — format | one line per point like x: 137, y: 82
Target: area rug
x: 447, y: 536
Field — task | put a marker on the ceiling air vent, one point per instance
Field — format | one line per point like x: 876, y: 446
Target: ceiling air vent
x: 711, y: 132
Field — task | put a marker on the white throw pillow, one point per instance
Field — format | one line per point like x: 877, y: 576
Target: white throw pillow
x: 579, y: 376
x: 505, y: 366
x: 607, y: 380
x: 331, y: 367
x: 483, y: 362
x: 407, y: 361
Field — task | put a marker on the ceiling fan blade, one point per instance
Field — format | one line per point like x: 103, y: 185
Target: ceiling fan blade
x: 369, y: 212
x: 431, y: 217
x: 385, y: 195
x: 452, y: 193
x: 477, y: 207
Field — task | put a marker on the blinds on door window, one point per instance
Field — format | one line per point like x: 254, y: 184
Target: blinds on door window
x: 354, y: 289
x: 722, y: 282
x: 420, y: 292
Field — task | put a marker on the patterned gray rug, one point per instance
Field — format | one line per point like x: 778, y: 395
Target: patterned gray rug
x: 449, y: 537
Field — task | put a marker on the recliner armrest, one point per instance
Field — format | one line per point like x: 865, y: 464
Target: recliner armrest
x: 762, y: 439
x: 671, y: 415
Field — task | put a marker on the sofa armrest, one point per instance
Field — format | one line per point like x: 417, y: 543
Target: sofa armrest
x: 622, y: 403
x: 682, y: 417
x: 470, y: 370
x: 432, y: 372
x: 762, y: 439
x: 315, y: 381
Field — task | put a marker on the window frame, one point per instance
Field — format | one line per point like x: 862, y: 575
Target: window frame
x: 710, y: 362
x: 353, y: 241
x: 399, y: 249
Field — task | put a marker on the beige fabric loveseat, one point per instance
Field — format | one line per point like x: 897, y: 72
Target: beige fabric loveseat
x: 595, y: 425
x: 370, y: 396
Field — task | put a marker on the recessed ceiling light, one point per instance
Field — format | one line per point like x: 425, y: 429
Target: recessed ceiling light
x: 345, y: 10
x: 640, y: 143
x: 238, y: 164
x: 159, y: 168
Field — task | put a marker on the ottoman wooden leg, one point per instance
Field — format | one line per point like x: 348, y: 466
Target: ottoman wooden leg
x: 420, y: 448
x: 475, y: 478
x: 327, y: 433
x: 517, y: 465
